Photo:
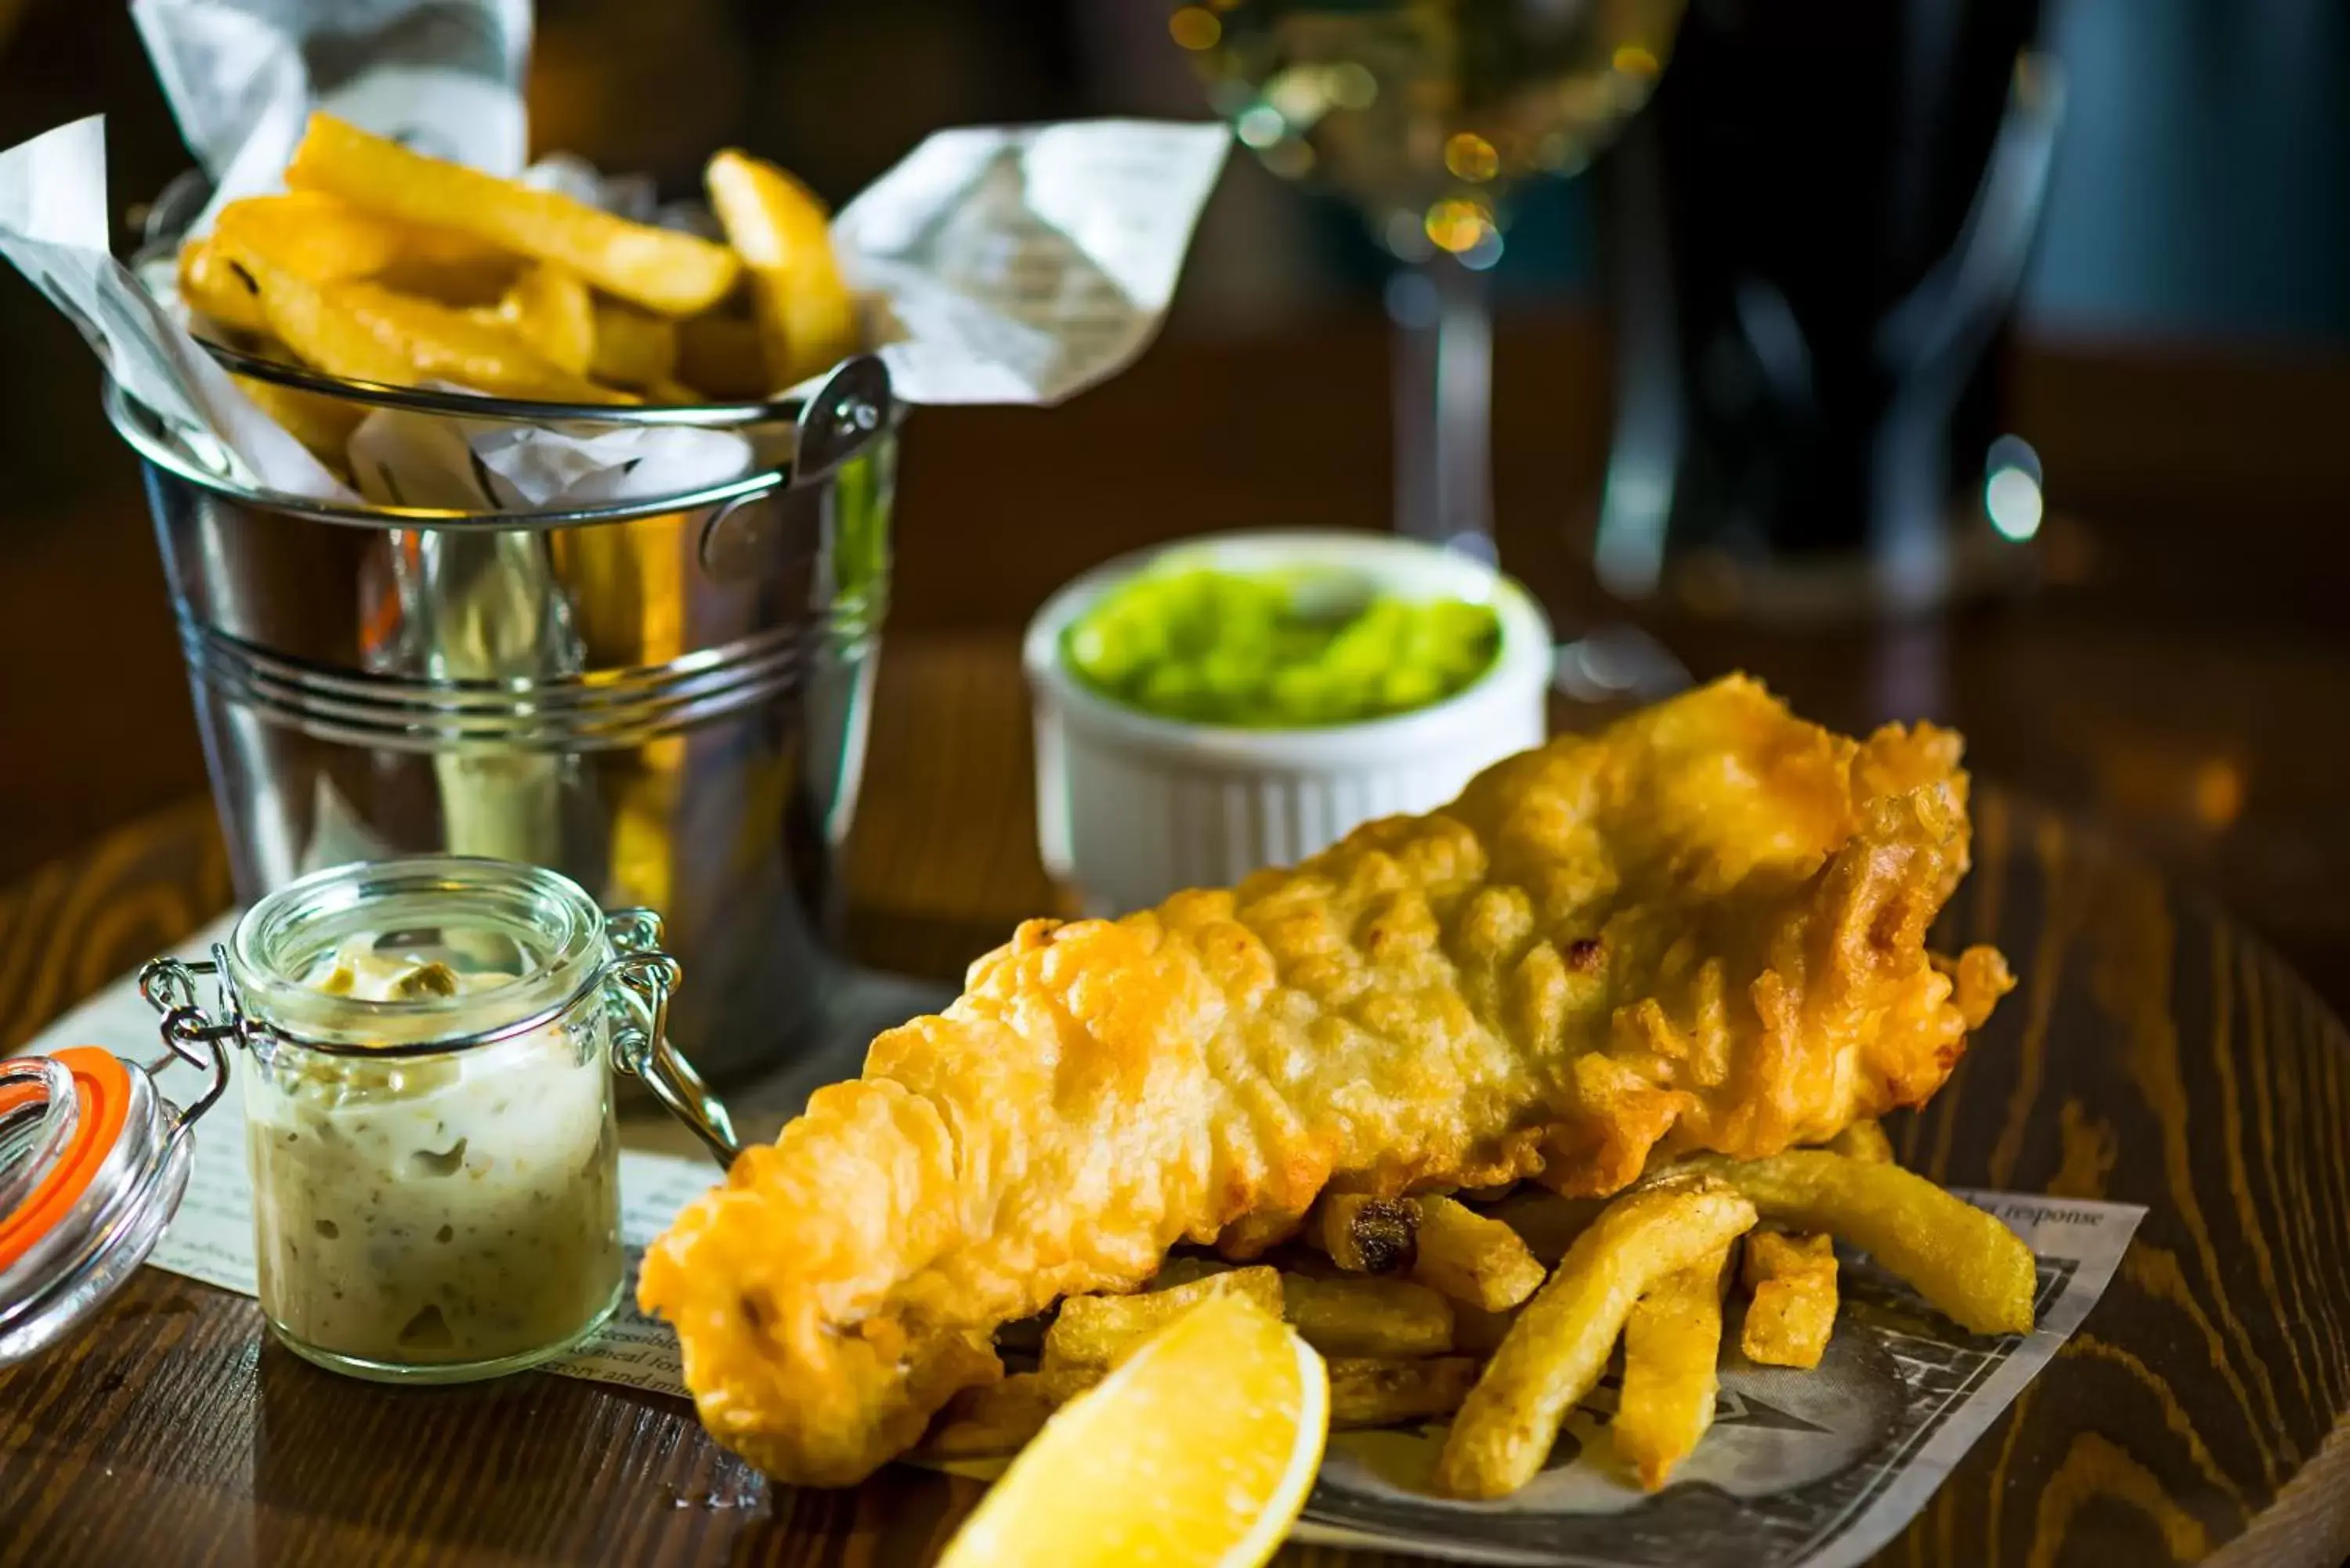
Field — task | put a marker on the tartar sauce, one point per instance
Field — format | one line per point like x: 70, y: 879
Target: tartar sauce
x: 456, y: 1208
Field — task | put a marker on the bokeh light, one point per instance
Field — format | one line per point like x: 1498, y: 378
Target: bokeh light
x: 1471, y: 156
x: 2218, y: 792
x: 1350, y: 85
x: 2011, y: 497
x: 1195, y: 28
x: 1459, y: 224
x: 1301, y: 94
x: 1290, y: 158
x: 1261, y: 126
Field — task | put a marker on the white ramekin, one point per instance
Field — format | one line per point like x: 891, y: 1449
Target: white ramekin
x: 1130, y: 807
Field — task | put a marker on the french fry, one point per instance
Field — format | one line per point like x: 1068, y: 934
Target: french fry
x: 1100, y: 1331
x: 214, y: 284
x: 1672, y: 1349
x: 1791, y: 1308
x: 1367, y: 1235
x: 1545, y: 1221
x: 326, y: 239
x: 1559, y: 1345
x: 1968, y: 1264
x: 365, y: 332
x: 994, y: 1418
x: 1064, y: 1381
x: 671, y: 392
x: 445, y: 344
x: 1365, y: 1391
x: 721, y: 355
x: 550, y: 308
x: 320, y: 332
x: 1863, y: 1139
x: 320, y: 423
x: 479, y: 282
x: 806, y: 319
x: 1470, y: 1258
x: 634, y: 348
x: 1476, y: 1331
x: 661, y: 269
x: 1186, y: 1270
x: 1367, y: 1317
x: 1380, y: 1393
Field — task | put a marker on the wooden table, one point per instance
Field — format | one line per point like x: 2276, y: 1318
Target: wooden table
x: 2185, y: 677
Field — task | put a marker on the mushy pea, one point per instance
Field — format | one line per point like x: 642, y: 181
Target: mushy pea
x: 1276, y: 650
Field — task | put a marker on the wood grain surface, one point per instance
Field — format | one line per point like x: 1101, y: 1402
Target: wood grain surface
x: 2155, y: 1052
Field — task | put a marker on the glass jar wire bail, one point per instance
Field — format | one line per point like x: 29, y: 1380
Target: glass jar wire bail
x: 644, y: 975
x: 169, y: 986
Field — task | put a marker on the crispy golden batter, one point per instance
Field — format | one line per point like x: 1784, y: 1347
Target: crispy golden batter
x: 1702, y: 928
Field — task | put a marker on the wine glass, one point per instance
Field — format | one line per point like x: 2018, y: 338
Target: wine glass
x: 1426, y: 115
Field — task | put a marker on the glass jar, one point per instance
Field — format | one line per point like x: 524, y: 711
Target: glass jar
x: 93, y: 1160
x: 429, y: 1045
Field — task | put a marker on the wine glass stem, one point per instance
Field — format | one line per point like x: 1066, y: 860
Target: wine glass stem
x: 1443, y: 404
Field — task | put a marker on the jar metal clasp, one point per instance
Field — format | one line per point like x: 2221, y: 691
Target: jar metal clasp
x: 640, y: 976
x: 643, y: 974
x: 169, y: 986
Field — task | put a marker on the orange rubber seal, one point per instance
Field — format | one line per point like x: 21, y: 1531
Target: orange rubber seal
x: 103, y: 1090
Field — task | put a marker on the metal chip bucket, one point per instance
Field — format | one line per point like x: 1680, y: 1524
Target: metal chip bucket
x: 665, y: 701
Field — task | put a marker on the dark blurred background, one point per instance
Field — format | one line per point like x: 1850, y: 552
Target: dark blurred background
x: 2200, y: 210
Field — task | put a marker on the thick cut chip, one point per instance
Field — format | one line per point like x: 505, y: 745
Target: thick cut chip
x: 661, y: 269
x: 1367, y: 1235
x: 1791, y: 1309
x: 1471, y: 1259
x: 1381, y: 1393
x: 992, y: 1418
x: 1101, y: 1331
x: 634, y: 348
x: 364, y: 332
x: 1974, y: 1269
x: 321, y: 423
x: 551, y: 308
x: 1864, y: 1139
x: 1365, y: 1391
x: 323, y: 238
x: 720, y: 356
x: 1555, y: 1353
x: 214, y: 284
x: 1545, y: 1221
x: 806, y: 318
x: 1476, y: 1331
x: 1367, y: 1317
x: 1672, y: 1352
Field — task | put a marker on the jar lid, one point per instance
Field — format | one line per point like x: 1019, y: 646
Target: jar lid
x: 93, y: 1163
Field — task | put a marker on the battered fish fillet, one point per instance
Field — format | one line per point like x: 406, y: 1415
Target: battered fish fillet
x: 1702, y: 928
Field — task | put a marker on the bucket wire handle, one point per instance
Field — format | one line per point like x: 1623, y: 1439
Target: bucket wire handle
x: 641, y: 1045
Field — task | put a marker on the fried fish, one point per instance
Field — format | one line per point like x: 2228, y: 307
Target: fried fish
x: 1702, y: 928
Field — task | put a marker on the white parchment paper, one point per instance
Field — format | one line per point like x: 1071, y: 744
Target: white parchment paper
x: 53, y: 228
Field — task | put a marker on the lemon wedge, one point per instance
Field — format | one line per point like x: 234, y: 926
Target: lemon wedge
x: 1197, y: 1452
